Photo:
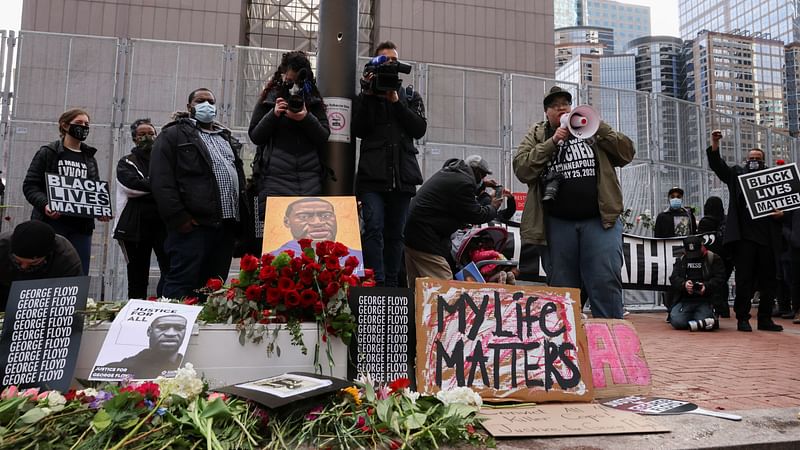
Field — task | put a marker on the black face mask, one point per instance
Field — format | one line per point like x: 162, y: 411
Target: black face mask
x: 79, y: 132
x: 755, y: 164
x: 145, y: 142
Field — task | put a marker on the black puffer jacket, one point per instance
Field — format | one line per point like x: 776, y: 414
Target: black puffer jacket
x: 288, y: 163
x: 388, y: 158
x: 181, y: 178
x: 445, y: 203
x: 35, y: 187
x: 140, y: 213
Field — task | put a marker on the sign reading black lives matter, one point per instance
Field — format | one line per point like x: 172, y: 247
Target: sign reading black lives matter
x: 771, y: 189
x: 42, y: 332
x: 79, y: 197
x: 385, y: 339
x: 146, y: 340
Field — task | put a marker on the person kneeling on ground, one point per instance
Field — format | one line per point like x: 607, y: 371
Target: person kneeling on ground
x: 696, y: 278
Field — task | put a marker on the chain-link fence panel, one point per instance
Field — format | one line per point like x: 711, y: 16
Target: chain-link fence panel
x: 253, y: 69
x: 57, y: 72
x: 730, y: 145
x: 160, y: 76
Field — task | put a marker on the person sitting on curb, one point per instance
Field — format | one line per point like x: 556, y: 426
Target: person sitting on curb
x: 697, y: 276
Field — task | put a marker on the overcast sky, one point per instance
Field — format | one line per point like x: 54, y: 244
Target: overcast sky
x: 663, y: 15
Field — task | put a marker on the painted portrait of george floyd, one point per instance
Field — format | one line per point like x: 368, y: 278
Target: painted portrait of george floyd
x: 289, y: 219
x: 146, y: 340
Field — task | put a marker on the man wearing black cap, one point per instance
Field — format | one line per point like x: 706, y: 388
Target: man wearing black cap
x: 32, y: 252
x: 676, y: 220
x: 574, y: 202
x: 445, y: 203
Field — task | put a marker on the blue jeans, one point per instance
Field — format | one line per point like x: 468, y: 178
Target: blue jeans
x: 582, y: 254
x: 81, y: 241
x: 684, y: 311
x: 384, y: 215
x: 194, y: 257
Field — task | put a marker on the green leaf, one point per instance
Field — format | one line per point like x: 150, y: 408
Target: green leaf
x: 461, y: 410
x: 383, y: 409
x: 101, y: 420
x: 369, y: 389
x: 216, y: 409
x: 32, y: 416
x: 416, y: 420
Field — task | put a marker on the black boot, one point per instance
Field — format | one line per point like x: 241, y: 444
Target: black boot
x: 768, y: 325
x: 743, y: 325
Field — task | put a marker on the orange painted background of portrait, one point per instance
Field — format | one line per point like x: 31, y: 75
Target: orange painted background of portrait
x: 276, y: 234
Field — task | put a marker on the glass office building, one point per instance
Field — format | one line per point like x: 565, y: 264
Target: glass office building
x: 571, y: 41
x: 658, y: 64
x: 770, y: 19
x: 628, y: 21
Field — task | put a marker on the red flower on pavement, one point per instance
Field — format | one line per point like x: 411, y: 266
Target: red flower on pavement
x: 324, y: 248
x: 324, y: 277
x: 399, y: 384
x: 304, y: 243
x: 267, y: 258
x: 369, y: 273
x: 285, y: 284
x: 331, y: 289
x: 318, y: 308
x: 308, y: 298
x: 287, y: 272
x: 307, y: 276
x: 248, y: 263
x: 332, y: 263
x: 289, y: 252
x: 367, y: 284
x: 351, y: 262
x: 274, y: 296
x: 214, y: 284
x: 191, y: 301
x: 292, y: 299
x: 470, y: 429
x: 340, y: 250
x: 296, y: 264
x: 268, y: 273
x: 253, y: 293
x: 394, y: 445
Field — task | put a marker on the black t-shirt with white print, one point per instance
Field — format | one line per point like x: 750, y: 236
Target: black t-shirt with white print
x: 73, y: 164
x: 577, y: 195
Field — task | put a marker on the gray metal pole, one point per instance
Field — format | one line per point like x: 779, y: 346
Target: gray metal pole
x: 336, y: 67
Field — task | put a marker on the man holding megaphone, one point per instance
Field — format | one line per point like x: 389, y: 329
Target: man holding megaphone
x: 574, y: 199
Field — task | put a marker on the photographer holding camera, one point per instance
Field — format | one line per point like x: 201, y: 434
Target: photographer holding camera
x: 574, y: 202
x: 387, y: 118
x: 290, y: 128
x: 697, y: 276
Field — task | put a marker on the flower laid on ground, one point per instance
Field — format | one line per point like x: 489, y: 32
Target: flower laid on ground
x: 381, y: 416
x: 289, y: 289
x: 131, y: 416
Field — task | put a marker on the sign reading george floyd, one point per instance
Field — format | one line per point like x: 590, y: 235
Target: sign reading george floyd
x: 384, y: 340
x: 79, y: 197
x: 42, y: 332
x: 508, y: 343
x: 770, y: 189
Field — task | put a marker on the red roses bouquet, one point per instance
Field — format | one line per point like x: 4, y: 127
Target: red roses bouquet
x: 290, y: 288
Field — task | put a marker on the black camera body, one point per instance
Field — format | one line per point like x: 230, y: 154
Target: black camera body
x: 695, y: 262
x: 550, y: 185
x: 498, y: 191
x: 385, y: 74
x: 295, y: 92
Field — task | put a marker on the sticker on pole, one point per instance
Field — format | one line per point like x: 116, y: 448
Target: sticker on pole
x: 770, y: 189
x: 339, y: 112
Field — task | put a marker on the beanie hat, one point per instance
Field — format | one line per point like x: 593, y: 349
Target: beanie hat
x: 32, y: 239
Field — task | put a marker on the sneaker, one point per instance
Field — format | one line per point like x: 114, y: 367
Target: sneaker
x: 743, y: 325
x: 769, y: 326
x: 625, y: 313
x: 510, y: 278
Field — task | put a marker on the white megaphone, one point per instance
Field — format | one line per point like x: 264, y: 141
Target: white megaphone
x: 582, y: 122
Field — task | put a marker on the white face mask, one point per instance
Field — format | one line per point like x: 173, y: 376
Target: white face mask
x: 675, y: 203
x: 205, y: 112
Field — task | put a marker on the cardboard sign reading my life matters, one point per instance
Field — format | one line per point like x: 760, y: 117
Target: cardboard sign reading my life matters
x: 565, y: 420
x: 146, y: 340
x: 618, y: 364
x: 383, y: 345
x: 79, y: 197
x: 508, y: 343
x: 42, y: 332
x: 770, y: 189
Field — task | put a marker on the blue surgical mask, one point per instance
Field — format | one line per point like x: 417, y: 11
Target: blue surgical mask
x: 205, y: 112
x: 675, y: 203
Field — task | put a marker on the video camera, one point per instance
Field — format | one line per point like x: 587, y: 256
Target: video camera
x: 295, y: 92
x: 385, y: 74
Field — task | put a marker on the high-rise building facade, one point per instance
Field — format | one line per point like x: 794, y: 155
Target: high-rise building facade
x: 741, y: 76
x: 628, y: 21
x: 571, y: 41
x: 792, y: 83
x: 658, y: 64
x: 769, y: 19
x: 514, y: 37
x: 568, y: 13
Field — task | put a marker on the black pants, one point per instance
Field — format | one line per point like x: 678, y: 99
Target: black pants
x: 139, y: 263
x: 794, y: 278
x: 194, y: 257
x: 754, y: 262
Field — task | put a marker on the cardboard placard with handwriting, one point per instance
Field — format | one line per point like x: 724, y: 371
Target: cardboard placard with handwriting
x: 506, y: 342
x: 573, y: 419
x: 619, y: 367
